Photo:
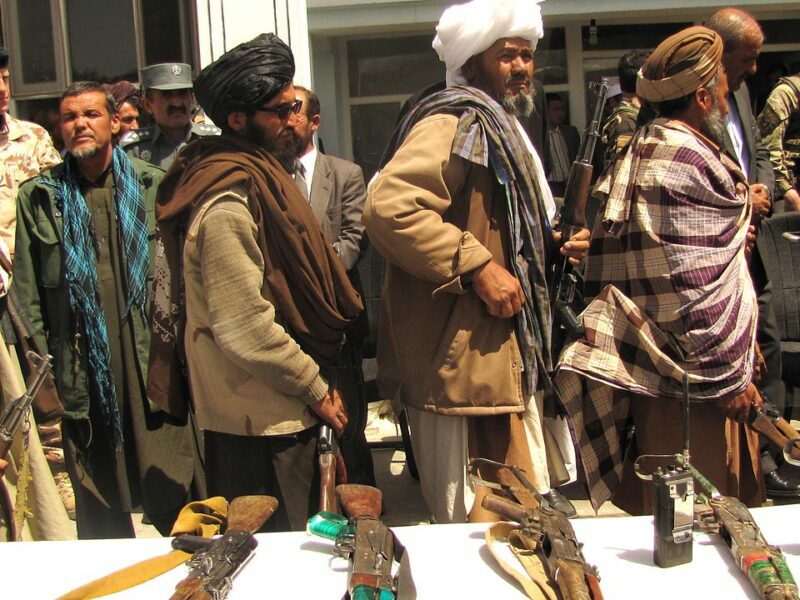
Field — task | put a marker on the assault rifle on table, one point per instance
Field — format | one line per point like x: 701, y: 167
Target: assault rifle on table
x: 764, y: 565
x: 367, y: 543
x: 571, y: 219
x: 547, y: 532
x: 215, y: 563
x: 16, y: 412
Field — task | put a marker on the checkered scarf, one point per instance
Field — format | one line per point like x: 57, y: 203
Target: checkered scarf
x: 81, y: 273
x: 487, y: 135
x: 673, y: 292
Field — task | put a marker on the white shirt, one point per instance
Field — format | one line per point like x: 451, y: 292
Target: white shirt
x: 736, y: 132
x: 309, y: 161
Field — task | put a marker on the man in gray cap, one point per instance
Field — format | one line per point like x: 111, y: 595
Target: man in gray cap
x: 266, y: 300
x: 169, y: 99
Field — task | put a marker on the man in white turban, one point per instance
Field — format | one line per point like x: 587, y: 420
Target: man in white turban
x: 462, y: 213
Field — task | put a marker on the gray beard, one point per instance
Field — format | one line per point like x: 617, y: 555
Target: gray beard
x: 715, y: 125
x: 521, y: 105
x: 86, y: 151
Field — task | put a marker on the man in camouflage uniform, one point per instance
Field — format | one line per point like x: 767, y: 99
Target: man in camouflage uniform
x: 779, y: 129
x: 621, y: 123
x: 169, y: 99
x: 25, y: 149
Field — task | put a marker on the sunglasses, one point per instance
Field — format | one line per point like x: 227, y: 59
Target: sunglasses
x: 282, y: 110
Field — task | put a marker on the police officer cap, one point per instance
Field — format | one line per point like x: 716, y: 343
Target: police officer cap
x: 167, y: 76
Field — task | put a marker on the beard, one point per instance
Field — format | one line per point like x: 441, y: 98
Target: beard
x: 520, y: 104
x: 715, y: 125
x: 86, y: 151
x: 257, y: 136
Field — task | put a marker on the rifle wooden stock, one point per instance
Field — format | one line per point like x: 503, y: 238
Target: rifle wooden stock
x: 570, y: 580
x: 327, y: 471
x: 360, y: 500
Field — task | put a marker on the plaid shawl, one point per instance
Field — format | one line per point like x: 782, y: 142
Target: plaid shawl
x: 487, y: 135
x: 81, y: 272
x: 676, y: 294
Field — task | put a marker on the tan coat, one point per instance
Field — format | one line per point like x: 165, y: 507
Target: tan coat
x: 248, y: 376
x: 436, y: 217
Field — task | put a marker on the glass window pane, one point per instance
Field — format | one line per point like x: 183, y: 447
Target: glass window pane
x: 629, y: 37
x: 101, y: 40
x: 162, y: 30
x: 372, y: 126
x: 389, y: 66
x: 36, y: 41
x: 551, y: 57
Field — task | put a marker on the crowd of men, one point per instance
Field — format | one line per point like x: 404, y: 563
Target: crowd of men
x: 195, y: 284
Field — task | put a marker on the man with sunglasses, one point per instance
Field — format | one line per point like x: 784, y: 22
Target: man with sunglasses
x: 169, y: 100
x: 266, y: 299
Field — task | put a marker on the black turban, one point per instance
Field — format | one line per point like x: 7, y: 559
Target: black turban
x: 250, y: 75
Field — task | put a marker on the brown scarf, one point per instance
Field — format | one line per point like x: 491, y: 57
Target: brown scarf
x: 310, y: 288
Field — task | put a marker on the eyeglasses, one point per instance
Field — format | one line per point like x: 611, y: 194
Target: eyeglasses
x: 282, y: 110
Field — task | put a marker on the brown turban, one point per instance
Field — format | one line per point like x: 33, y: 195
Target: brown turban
x: 124, y: 91
x: 680, y: 64
x: 246, y: 77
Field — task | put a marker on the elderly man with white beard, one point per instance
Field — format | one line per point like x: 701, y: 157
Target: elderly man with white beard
x: 462, y: 212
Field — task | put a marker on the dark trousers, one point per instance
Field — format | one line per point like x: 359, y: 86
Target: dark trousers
x: 769, y: 342
x: 353, y: 444
x: 281, y: 466
x: 91, y: 463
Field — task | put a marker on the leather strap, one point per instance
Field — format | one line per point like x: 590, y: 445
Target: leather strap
x: 204, y: 518
x: 503, y: 537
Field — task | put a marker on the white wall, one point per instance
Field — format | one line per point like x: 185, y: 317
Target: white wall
x: 224, y: 24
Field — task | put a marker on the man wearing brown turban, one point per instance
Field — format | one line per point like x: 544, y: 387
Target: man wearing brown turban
x: 266, y: 299
x: 674, y: 298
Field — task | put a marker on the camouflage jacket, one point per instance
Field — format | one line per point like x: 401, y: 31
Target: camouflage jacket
x: 779, y: 129
x: 25, y: 149
x: 619, y: 129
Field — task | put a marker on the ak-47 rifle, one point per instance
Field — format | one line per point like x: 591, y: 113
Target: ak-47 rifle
x: 367, y: 543
x: 764, y: 565
x: 572, y: 218
x: 215, y: 563
x: 16, y: 411
x: 546, y: 531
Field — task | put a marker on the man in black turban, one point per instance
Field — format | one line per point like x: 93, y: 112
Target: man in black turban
x: 266, y: 299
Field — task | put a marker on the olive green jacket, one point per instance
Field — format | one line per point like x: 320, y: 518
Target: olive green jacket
x: 42, y: 289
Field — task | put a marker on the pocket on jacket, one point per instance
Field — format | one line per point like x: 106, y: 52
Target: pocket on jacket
x: 466, y: 311
x: 49, y: 256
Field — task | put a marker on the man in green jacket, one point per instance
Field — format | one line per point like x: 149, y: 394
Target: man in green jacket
x: 83, y: 270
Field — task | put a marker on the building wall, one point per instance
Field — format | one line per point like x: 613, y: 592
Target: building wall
x: 337, y: 27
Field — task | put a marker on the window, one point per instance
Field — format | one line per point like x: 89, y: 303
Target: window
x: 36, y: 35
x: 105, y: 41
x: 102, y: 41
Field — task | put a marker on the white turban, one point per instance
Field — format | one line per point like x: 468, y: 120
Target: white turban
x: 468, y: 29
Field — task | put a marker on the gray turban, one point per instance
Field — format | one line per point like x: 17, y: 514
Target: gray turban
x: 250, y: 75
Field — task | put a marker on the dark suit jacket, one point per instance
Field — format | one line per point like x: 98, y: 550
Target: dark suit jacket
x: 760, y: 166
x: 337, y: 199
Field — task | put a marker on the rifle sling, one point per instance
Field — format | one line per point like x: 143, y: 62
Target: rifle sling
x: 503, y: 536
x: 203, y: 518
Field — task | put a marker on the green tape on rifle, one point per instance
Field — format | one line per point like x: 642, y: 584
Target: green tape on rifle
x: 326, y: 525
x: 363, y: 592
